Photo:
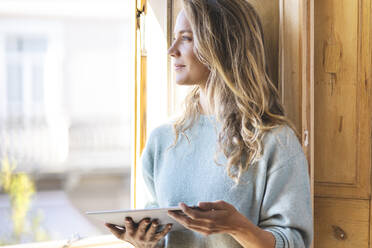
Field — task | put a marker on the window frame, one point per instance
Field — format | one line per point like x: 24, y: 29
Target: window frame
x: 50, y: 31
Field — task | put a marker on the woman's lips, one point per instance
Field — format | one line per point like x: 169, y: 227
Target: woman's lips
x: 179, y: 67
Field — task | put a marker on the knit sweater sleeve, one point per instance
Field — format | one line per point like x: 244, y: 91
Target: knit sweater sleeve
x: 148, y: 159
x: 286, y: 209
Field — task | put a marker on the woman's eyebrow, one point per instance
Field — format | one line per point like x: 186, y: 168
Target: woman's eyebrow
x: 184, y: 31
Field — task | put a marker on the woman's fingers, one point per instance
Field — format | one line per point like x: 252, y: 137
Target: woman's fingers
x: 150, y: 234
x: 129, y: 226
x: 164, y: 232
x: 139, y: 233
x: 142, y: 226
x: 115, y: 230
x: 200, y: 214
x: 193, y: 224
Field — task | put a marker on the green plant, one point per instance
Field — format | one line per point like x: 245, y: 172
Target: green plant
x: 20, y: 188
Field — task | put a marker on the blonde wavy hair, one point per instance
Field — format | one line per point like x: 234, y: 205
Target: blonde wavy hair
x: 228, y: 39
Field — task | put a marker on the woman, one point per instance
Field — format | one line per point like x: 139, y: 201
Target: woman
x: 233, y: 152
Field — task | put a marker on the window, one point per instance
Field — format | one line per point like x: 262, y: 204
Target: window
x: 65, y: 116
x: 24, y: 60
x: 68, y: 104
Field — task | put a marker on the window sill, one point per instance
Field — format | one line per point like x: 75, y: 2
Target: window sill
x: 104, y: 241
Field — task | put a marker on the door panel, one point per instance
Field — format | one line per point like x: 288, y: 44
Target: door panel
x: 341, y: 223
x: 342, y: 116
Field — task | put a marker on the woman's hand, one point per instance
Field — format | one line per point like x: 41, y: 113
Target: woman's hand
x: 139, y: 234
x: 213, y: 217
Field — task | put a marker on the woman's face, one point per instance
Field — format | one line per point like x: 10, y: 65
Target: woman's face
x: 188, y: 69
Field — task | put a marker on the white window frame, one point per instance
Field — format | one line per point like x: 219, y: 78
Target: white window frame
x: 52, y: 74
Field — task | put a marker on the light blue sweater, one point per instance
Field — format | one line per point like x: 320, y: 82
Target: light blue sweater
x: 274, y: 193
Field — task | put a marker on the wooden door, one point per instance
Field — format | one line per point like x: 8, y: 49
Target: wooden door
x: 341, y: 223
x: 342, y: 111
x: 342, y: 123
x: 296, y: 71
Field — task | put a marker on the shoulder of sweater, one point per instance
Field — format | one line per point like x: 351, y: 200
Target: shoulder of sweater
x: 154, y: 143
x: 160, y: 133
x: 281, y: 144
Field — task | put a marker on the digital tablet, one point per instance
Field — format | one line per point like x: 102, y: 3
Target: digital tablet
x: 117, y: 217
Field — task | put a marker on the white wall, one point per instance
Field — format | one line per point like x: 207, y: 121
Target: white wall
x: 96, y: 67
x: 156, y: 45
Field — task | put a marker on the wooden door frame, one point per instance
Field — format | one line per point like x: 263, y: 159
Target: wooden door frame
x: 296, y: 68
x: 296, y: 71
x: 138, y: 113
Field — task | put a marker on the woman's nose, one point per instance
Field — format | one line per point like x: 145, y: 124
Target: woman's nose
x: 173, y: 51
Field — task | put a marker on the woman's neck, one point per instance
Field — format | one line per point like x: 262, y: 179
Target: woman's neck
x: 204, y: 105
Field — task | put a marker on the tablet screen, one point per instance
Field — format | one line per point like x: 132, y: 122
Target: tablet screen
x: 117, y: 217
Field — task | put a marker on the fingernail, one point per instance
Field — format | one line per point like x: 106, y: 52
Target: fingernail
x: 120, y: 227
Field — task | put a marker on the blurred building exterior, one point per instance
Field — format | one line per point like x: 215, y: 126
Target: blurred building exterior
x: 64, y: 96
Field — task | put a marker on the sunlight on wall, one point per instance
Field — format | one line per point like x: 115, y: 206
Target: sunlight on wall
x: 156, y: 44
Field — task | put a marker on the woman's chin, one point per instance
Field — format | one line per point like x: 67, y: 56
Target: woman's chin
x: 180, y: 82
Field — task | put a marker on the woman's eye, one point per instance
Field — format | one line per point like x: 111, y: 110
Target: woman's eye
x: 186, y: 38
